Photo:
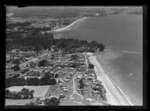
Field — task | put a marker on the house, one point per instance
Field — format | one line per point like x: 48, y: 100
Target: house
x: 69, y: 76
x: 96, y: 92
x: 40, y: 101
x: 59, y: 80
x: 66, y: 80
x: 79, y: 76
x: 89, y: 99
x: 90, y: 78
x: 64, y: 88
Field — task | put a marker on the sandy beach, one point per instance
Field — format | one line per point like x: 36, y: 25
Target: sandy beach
x: 114, y: 94
x: 67, y: 27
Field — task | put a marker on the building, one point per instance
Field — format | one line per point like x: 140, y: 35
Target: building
x: 79, y: 76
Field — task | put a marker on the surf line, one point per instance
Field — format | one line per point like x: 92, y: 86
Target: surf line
x: 130, y: 52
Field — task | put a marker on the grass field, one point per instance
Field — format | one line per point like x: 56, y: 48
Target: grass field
x: 17, y: 102
x: 70, y: 102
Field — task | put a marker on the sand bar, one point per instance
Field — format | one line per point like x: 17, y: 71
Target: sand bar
x: 67, y: 27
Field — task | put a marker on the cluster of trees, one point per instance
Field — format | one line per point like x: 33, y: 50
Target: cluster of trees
x: 38, y: 29
x: 33, y: 41
x: 18, y: 24
x: 24, y: 28
x: 48, y: 79
x: 15, y: 67
x: 74, y: 57
x: 99, y: 87
x: 75, y: 45
x: 30, y: 104
x: 53, y: 101
x: 91, y: 66
x: 24, y: 70
x: 43, y: 63
x: 102, y: 12
x: 75, y: 65
x: 81, y: 85
x: 23, y: 94
x: 32, y: 64
x: 37, y: 41
x: 16, y: 61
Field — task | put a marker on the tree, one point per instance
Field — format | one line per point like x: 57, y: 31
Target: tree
x: 101, y: 47
x: 52, y: 101
x: 18, y: 95
x: 94, y: 44
x: 52, y: 82
x: 16, y: 76
x: 7, y: 93
x: 61, y: 96
x: 56, y: 75
x: 24, y: 71
x: 25, y: 92
x: 91, y: 50
x: 81, y: 85
x: 49, y: 75
x: 30, y: 104
x: 32, y: 64
x: 31, y: 93
x: 16, y: 68
x: 52, y: 56
x: 91, y: 66
x: 74, y: 57
x: 16, y: 61
x: 43, y: 63
x: 74, y: 65
x: 12, y: 95
x: 102, y: 12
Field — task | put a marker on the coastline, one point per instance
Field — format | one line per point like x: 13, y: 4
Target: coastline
x: 114, y: 94
x: 66, y: 27
x: 118, y: 66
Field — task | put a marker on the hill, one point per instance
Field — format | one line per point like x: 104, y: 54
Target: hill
x: 61, y: 12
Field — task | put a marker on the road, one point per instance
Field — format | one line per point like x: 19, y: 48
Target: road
x: 74, y: 87
x: 34, y: 59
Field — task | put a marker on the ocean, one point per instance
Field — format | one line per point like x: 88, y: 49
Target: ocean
x: 122, y: 35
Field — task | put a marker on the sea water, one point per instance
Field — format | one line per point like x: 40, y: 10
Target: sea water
x: 123, y: 35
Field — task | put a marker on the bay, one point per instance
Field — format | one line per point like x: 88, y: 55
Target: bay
x: 122, y: 34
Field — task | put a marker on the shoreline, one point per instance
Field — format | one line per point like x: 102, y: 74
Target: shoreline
x: 66, y: 27
x: 114, y: 94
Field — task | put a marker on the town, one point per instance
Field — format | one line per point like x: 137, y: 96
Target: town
x: 44, y: 70
x: 67, y: 77
x: 56, y: 56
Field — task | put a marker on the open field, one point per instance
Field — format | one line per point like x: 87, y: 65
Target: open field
x: 17, y: 102
x: 71, y: 103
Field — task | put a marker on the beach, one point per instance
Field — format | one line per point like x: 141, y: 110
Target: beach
x: 67, y: 27
x: 114, y: 94
x: 124, y: 69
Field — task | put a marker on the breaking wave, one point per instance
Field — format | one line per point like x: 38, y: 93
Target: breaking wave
x: 133, y: 52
